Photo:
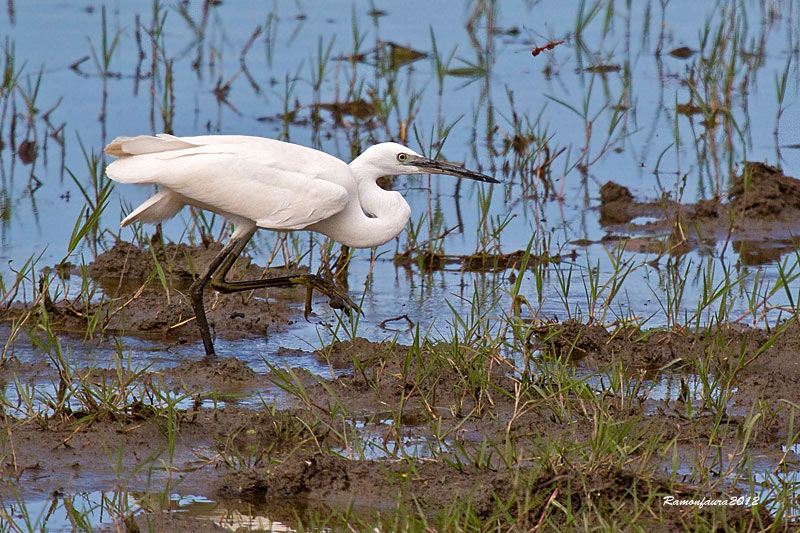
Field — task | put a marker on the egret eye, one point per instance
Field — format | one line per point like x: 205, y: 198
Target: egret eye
x: 402, y: 157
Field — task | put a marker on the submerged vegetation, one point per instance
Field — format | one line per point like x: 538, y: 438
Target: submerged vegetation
x: 605, y: 341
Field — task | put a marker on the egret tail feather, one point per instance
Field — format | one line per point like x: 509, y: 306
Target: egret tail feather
x: 146, y: 144
x: 161, y: 206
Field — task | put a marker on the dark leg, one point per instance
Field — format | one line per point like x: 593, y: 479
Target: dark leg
x: 338, y: 299
x: 222, y: 264
x: 226, y: 257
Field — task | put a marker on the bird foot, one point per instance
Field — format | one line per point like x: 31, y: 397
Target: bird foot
x: 337, y: 298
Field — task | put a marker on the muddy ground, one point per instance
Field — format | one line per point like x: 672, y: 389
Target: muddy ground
x: 296, y: 460
x: 135, y: 300
x: 305, y: 460
x: 760, y: 217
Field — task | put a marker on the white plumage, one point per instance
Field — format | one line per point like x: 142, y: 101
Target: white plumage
x: 236, y: 176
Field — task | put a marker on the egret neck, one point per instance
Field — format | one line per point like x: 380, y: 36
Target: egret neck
x: 375, y: 217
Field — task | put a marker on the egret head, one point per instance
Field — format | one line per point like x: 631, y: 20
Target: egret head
x: 392, y: 159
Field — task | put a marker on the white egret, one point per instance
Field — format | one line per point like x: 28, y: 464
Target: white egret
x: 256, y: 183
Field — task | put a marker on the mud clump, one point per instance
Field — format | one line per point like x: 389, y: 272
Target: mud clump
x: 124, y: 261
x: 706, y: 209
x: 226, y: 374
x: 613, y: 192
x: 612, y: 197
x: 594, y: 345
x: 617, y: 205
x: 126, y: 264
x: 345, y: 354
x: 763, y: 191
x: 762, y: 210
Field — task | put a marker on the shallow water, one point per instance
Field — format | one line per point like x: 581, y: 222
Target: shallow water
x: 105, y: 511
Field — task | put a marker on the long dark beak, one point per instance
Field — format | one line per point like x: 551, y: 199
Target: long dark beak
x: 443, y: 167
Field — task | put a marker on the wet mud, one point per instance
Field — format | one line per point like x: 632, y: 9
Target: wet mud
x: 145, y: 294
x: 222, y: 375
x: 305, y: 458
x: 489, y: 413
x: 760, y: 216
x: 479, y: 262
x: 765, y: 364
x: 323, y: 482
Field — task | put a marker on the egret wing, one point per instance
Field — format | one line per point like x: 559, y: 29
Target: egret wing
x: 240, y: 183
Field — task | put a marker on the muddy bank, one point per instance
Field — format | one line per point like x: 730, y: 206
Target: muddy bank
x: 763, y: 365
x: 373, y: 488
x: 760, y: 217
x: 431, y: 383
x: 76, y: 449
x: 149, y: 448
x: 441, y: 427
x: 439, y: 379
x: 222, y: 377
x: 446, y: 428
x: 145, y: 293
